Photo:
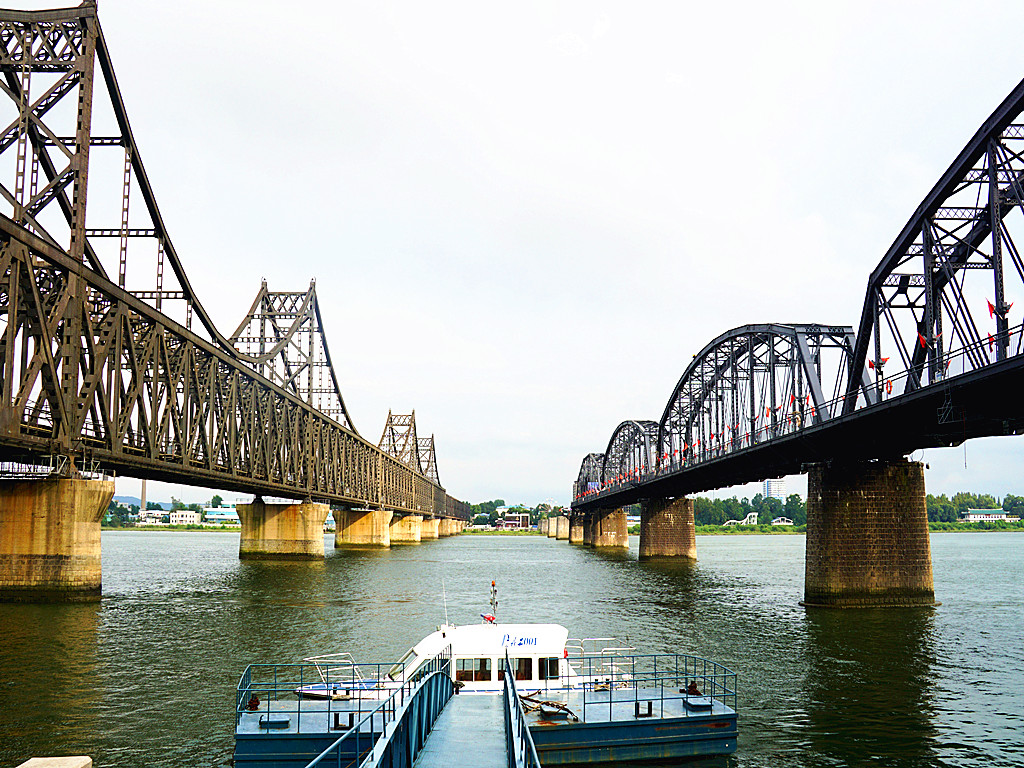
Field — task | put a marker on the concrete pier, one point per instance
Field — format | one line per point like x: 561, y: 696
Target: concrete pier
x: 610, y: 531
x: 446, y: 528
x: 562, y: 528
x: 282, y: 531
x: 542, y: 526
x: 429, y: 528
x: 867, y: 536
x: 407, y: 529
x: 552, y: 530
x: 50, y: 539
x: 362, y: 528
x: 667, y: 529
x: 588, y: 530
x: 576, y: 529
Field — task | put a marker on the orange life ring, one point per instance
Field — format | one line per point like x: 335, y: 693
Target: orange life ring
x: 888, y: 387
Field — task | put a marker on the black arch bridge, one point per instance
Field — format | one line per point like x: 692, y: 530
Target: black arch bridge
x: 935, y: 360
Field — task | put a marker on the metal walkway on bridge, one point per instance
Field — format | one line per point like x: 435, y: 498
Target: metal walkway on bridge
x: 469, y: 731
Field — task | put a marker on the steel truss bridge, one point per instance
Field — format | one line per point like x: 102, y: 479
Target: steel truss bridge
x: 935, y: 360
x: 106, y: 354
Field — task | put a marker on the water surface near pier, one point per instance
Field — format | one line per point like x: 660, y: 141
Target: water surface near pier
x: 147, y: 676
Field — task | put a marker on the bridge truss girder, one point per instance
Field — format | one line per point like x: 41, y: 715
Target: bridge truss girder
x: 939, y: 302
x: 52, y: 96
x: 150, y: 398
x: 590, y: 476
x: 752, y: 384
x: 428, y: 458
x: 283, y: 333
x: 631, y: 453
x: 92, y: 367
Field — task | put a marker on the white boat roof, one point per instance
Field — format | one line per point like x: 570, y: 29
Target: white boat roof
x: 494, y: 639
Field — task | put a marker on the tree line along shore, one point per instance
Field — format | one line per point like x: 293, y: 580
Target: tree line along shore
x: 710, y: 515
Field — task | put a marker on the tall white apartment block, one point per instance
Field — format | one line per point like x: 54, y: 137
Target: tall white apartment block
x: 775, y: 489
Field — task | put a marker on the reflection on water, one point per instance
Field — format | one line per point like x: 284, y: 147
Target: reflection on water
x: 867, y: 689
x: 147, y: 677
x: 48, y: 660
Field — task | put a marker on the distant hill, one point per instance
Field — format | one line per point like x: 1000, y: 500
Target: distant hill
x: 129, y: 500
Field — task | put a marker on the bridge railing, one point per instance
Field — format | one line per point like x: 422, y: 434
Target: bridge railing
x: 948, y: 366
x: 522, y: 752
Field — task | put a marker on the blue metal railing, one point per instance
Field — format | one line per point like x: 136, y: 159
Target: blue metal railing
x: 271, y: 688
x: 658, y: 679
x: 411, y: 710
x: 522, y: 753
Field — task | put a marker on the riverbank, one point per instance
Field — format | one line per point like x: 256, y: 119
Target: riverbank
x: 198, y: 528
x: 471, y: 532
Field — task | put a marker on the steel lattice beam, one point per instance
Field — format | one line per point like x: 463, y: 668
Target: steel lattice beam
x: 935, y: 360
x: 94, y: 369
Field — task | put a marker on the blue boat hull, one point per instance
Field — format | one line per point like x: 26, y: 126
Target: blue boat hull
x: 636, y: 740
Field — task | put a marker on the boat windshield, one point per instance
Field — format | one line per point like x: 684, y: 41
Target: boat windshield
x: 406, y: 661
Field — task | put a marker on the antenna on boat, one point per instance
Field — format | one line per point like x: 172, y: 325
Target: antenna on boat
x: 492, y: 617
x: 444, y: 597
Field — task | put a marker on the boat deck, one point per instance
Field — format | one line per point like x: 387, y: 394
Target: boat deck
x: 470, y: 731
x: 307, y: 716
x: 621, y: 705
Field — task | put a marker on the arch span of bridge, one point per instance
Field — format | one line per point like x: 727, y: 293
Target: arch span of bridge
x: 935, y: 360
x: 110, y: 363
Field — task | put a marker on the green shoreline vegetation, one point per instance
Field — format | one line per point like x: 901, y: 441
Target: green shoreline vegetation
x: 634, y: 530
x: 710, y: 515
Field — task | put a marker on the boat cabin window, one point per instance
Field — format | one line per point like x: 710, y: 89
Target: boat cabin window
x: 473, y: 670
x: 548, y: 669
x: 522, y: 668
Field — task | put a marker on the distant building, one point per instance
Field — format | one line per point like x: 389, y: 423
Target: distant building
x: 151, y: 517
x: 514, y: 521
x: 221, y: 516
x: 775, y: 488
x: 782, y: 521
x: 185, y: 517
x: 988, y: 516
x: 750, y: 519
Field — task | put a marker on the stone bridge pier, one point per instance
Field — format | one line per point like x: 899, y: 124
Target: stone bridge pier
x: 576, y: 528
x: 867, y: 536
x: 282, y: 531
x: 362, y: 528
x: 50, y: 539
x: 407, y: 529
x: 429, y: 528
x: 667, y: 529
x: 562, y: 528
x: 607, y: 529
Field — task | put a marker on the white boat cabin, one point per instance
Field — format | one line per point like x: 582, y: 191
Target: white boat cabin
x: 536, y: 654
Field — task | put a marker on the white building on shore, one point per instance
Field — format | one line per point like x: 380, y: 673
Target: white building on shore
x: 988, y: 516
x: 185, y: 517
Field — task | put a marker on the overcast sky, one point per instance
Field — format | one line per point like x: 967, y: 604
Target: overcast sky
x: 524, y: 219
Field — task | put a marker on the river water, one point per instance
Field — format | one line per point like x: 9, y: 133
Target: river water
x: 147, y: 676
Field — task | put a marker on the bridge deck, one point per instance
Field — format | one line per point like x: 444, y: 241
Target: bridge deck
x: 470, y: 731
